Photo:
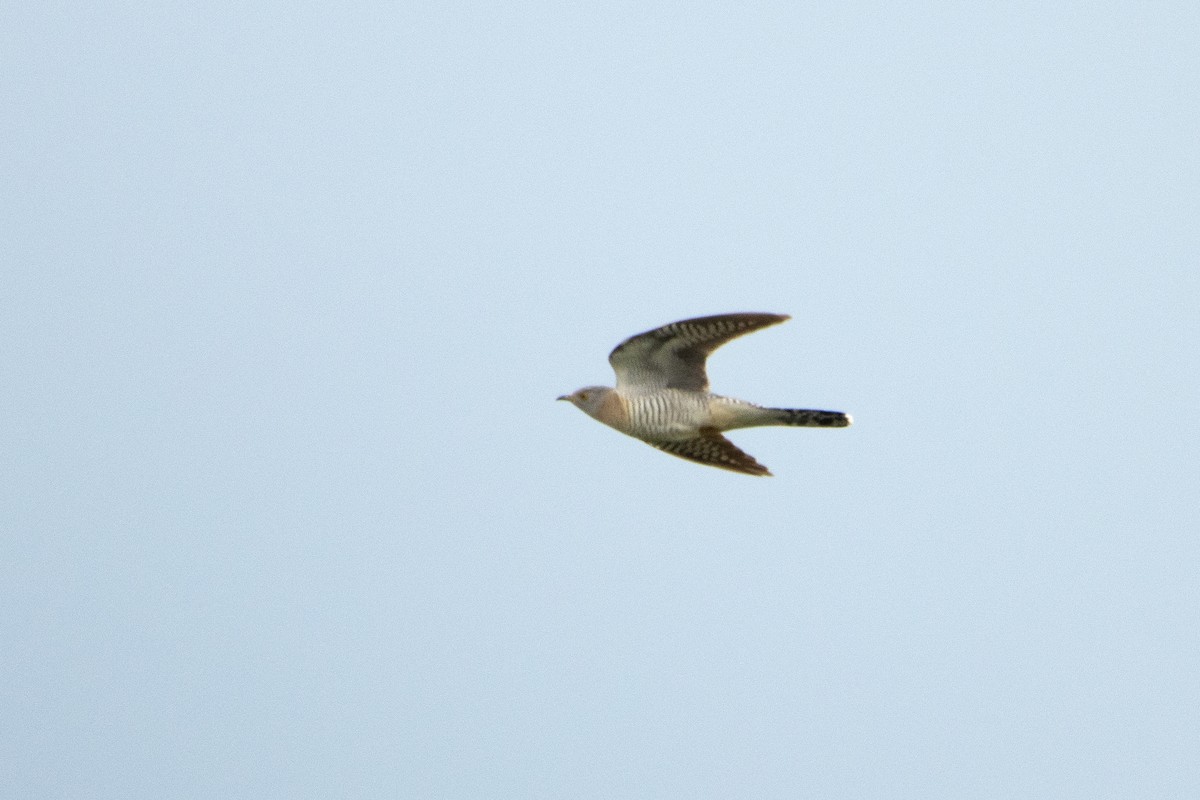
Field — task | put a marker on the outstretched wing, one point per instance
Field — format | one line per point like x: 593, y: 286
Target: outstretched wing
x: 673, y: 356
x: 713, y: 449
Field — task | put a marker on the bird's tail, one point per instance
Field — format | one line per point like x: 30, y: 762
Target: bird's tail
x: 809, y: 418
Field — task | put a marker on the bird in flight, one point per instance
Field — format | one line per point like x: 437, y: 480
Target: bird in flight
x: 662, y: 395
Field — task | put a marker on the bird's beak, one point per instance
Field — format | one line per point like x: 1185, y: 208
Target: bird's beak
x: 563, y: 397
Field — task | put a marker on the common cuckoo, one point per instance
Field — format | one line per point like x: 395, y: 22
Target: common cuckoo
x: 662, y: 394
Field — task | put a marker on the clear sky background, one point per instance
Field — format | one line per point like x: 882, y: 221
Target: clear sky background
x: 289, y: 511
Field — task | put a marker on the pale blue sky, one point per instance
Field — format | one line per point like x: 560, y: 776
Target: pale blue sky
x: 289, y: 510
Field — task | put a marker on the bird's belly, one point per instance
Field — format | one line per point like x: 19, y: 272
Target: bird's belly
x: 668, y: 415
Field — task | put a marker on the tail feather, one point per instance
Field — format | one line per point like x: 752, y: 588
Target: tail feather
x: 811, y: 418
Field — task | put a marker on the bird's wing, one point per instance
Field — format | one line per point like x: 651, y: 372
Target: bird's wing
x: 713, y: 449
x: 673, y: 356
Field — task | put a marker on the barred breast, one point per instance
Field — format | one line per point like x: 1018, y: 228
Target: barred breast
x: 667, y: 414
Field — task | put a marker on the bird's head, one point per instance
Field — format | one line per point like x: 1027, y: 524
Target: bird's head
x: 588, y: 399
